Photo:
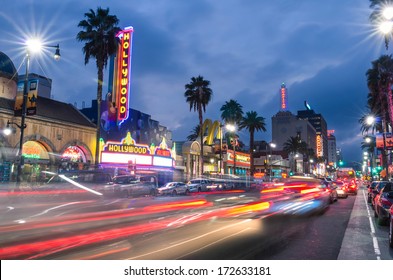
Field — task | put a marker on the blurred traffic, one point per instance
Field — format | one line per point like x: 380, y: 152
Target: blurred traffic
x: 71, y: 212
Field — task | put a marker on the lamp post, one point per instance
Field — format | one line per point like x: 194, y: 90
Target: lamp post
x: 32, y: 46
x: 232, y: 128
x: 271, y: 147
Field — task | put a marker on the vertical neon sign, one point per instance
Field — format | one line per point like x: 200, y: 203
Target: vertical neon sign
x: 283, y: 97
x: 124, y: 73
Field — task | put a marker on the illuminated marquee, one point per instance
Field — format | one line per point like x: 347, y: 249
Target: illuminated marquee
x: 123, y: 73
x: 128, y: 150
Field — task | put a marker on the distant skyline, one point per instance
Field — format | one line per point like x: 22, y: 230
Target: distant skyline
x: 320, y: 50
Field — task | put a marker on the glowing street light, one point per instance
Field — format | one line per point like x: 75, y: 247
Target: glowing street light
x: 33, y: 46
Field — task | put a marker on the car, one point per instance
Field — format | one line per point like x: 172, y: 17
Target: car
x: 332, y: 189
x: 173, y: 188
x: 312, y: 191
x: 376, y: 191
x: 198, y: 185
x: 352, y: 186
x: 391, y: 226
x: 382, y: 203
x: 133, y: 186
x: 370, y: 189
x: 341, y: 189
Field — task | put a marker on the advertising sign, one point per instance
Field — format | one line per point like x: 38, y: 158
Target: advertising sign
x: 388, y: 140
x: 31, y: 101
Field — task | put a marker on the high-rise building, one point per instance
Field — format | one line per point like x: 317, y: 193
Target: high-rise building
x: 286, y: 125
x: 320, y: 125
x: 332, y: 149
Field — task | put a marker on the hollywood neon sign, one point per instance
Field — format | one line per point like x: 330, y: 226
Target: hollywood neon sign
x: 124, y: 72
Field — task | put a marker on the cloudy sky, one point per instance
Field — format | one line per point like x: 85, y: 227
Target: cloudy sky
x: 245, y: 48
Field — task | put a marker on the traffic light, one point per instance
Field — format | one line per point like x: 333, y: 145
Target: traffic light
x: 290, y: 173
x: 341, y: 163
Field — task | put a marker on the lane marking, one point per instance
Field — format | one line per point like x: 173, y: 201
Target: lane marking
x: 377, y: 251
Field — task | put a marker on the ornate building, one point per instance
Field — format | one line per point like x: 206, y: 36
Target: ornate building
x: 57, y: 137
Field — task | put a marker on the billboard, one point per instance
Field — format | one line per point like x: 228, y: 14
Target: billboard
x: 388, y: 140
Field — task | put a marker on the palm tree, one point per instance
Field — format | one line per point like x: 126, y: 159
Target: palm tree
x: 365, y: 126
x: 198, y: 94
x: 194, y: 133
x: 232, y: 112
x: 376, y: 17
x: 99, y: 31
x: 295, y: 145
x: 252, y: 122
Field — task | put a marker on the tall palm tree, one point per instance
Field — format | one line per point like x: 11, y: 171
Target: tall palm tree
x: 252, y: 122
x: 99, y: 30
x: 232, y: 112
x: 198, y: 94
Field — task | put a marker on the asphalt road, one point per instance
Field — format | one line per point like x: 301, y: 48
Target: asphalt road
x: 168, y: 228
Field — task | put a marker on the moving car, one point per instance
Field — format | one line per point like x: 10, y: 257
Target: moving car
x: 341, y: 189
x: 173, y: 188
x: 131, y: 185
x: 332, y: 189
x: 77, y: 183
x: 382, y: 203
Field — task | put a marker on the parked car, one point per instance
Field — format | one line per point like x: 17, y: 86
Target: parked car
x: 376, y: 191
x: 382, y: 203
x: 198, y: 185
x: 130, y: 185
x: 341, y: 189
x: 370, y: 189
x: 391, y: 226
x: 173, y: 188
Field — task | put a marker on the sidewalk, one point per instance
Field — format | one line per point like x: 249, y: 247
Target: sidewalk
x: 358, y: 242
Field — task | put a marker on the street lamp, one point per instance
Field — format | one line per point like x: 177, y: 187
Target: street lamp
x: 32, y: 47
x: 271, y: 146
x: 232, y: 128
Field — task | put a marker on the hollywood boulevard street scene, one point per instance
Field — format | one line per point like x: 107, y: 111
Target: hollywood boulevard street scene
x: 196, y: 130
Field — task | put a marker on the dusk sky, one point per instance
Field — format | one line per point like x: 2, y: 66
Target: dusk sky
x: 321, y: 50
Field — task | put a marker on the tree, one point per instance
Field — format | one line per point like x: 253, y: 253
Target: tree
x: 198, y: 95
x: 295, y: 145
x: 231, y: 112
x: 194, y: 133
x: 379, y: 82
x: 99, y: 31
x: 376, y: 16
x: 252, y: 122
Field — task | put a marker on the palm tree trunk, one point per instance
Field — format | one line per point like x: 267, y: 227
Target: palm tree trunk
x: 252, y: 153
x: 99, y: 98
x: 201, y: 134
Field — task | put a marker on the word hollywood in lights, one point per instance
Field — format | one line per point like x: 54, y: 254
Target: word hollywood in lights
x: 128, y: 150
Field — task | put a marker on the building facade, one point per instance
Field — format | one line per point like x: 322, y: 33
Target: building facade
x: 57, y: 137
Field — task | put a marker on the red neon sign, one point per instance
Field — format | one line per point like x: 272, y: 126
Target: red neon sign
x: 123, y: 73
